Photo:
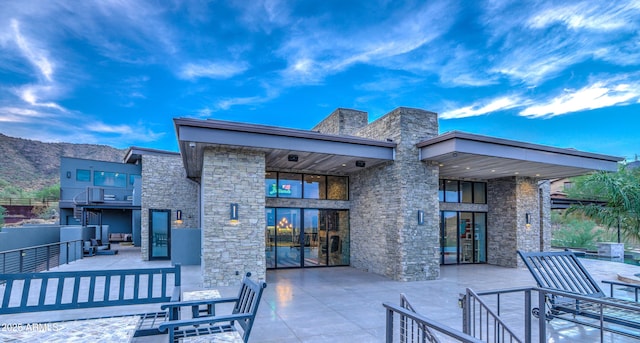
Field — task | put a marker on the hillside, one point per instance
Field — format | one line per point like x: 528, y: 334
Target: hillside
x: 32, y: 165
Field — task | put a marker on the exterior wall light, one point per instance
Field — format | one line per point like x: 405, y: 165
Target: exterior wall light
x: 179, y: 217
x: 420, y: 217
x: 527, y: 220
x: 360, y: 164
x: 68, y: 175
x: 233, y: 213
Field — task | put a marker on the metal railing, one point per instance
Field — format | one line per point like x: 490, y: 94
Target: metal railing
x: 27, y: 201
x: 480, y: 321
x: 603, y: 314
x: 39, y: 258
x: 414, y: 327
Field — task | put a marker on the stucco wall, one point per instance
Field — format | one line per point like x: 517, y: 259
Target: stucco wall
x: 165, y: 186
x: 230, y: 249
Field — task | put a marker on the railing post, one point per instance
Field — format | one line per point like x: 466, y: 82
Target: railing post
x: 389, y: 328
x: 542, y: 317
x: 527, y: 316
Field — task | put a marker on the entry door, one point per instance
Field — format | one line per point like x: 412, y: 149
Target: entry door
x: 449, y: 246
x: 159, y: 234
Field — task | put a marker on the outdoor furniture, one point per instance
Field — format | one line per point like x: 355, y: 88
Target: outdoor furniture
x: 102, y: 249
x: 113, y: 329
x: 243, y: 314
x: 119, y: 237
x: 563, y: 273
x: 55, y: 291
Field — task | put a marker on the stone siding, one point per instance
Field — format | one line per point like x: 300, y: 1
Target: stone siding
x: 545, y: 214
x: 385, y: 235
x: 165, y: 186
x: 342, y: 122
x: 230, y: 249
x: 509, y: 200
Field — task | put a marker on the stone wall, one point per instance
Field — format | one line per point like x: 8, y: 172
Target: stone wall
x: 165, y: 186
x: 509, y: 200
x: 342, y: 122
x: 230, y: 249
x: 385, y: 235
x: 544, y: 188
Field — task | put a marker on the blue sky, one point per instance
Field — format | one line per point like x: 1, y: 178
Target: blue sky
x: 559, y: 73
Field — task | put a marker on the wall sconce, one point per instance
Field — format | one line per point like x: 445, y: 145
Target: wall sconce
x: 68, y: 175
x: 179, y: 216
x: 233, y: 213
x: 420, y: 217
x: 527, y: 218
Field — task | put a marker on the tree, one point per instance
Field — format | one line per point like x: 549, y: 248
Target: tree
x: 620, y: 193
x: 2, y: 212
x: 52, y: 192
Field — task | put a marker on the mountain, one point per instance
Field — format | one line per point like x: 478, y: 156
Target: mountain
x: 32, y: 165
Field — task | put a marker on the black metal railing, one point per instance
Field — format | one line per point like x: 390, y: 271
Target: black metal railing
x: 414, y: 327
x: 542, y: 305
x: 27, y: 201
x: 482, y: 322
x: 39, y: 258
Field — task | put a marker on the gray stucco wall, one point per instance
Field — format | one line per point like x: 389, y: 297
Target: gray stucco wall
x: 28, y: 236
x: 385, y: 235
x: 165, y: 186
x: 230, y: 249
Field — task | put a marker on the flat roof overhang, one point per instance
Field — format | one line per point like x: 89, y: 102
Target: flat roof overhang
x: 464, y: 155
x: 315, y: 151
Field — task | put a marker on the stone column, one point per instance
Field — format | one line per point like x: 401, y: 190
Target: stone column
x: 385, y: 235
x: 510, y: 200
x: 232, y: 248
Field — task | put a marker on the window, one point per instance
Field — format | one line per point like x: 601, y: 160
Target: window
x: 290, y: 185
x: 83, y: 175
x: 315, y: 187
x: 338, y: 188
x: 451, y: 191
x: 467, y: 192
x: 132, y: 178
x: 271, y: 184
x: 109, y: 179
x: 307, y: 186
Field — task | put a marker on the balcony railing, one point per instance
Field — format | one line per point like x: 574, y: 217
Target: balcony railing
x: 39, y: 258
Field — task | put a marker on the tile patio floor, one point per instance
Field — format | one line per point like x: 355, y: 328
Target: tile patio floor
x: 340, y: 304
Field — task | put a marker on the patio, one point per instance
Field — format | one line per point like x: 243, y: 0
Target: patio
x: 339, y: 304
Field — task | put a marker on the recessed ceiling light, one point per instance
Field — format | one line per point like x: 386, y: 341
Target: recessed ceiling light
x: 344, y: 165
x: 441, y: 165
x: 467, y: 168
x: 517, y: 173
x: 493, y: 170
x: 537, y: 174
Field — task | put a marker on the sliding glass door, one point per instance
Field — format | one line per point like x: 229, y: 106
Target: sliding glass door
x: 463, y: 237
x: 306, y: 237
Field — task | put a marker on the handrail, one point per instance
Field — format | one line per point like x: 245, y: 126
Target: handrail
x: 480, y: 321
x: 27, y: 201
x: 419, y: 320
x: 570, y: 307
x: 40, y: 257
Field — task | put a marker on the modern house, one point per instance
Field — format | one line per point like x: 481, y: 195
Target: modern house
x: 393, y: 196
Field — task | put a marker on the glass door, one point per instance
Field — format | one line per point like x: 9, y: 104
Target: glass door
x: 270, y: 237
x: 288, y: 250
x: 449, y: 247
x: 480, y: 237
x: 466, y: 237
x: 311, y: 239
x: 159, y: 234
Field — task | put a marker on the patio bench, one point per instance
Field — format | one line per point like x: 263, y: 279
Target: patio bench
x: 55, y: 291
x: 562, y: 272
x: 245, y: 308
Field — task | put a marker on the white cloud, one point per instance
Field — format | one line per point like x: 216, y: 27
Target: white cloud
x: 478, y: 109
x: 596, y: 16
x: 35, y: 55
x: 213, y: 70
x: 31, y: 94
x: 597, y: 95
